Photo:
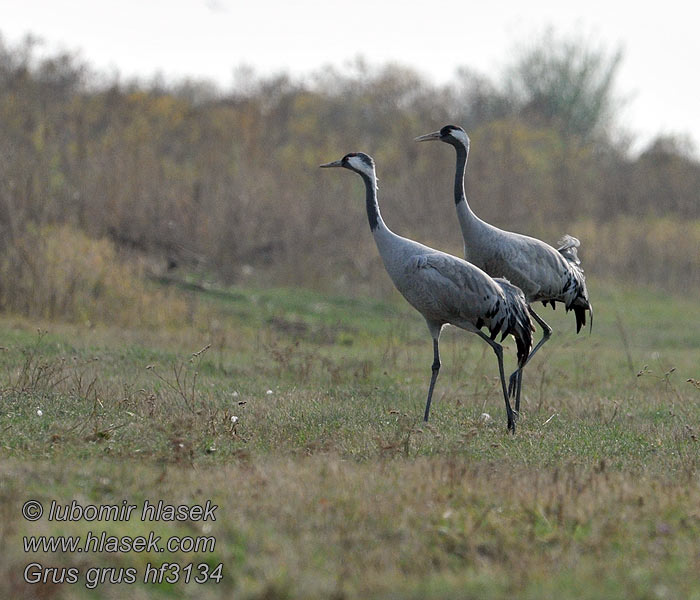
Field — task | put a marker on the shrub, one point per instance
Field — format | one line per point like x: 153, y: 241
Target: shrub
x: 58, y: 272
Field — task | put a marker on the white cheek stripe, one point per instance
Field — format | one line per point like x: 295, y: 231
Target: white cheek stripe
x: 358, y: 164
x: 460, y: 135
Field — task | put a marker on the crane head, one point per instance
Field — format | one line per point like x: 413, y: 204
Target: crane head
x: 355, y: 161
x: 450, y: 134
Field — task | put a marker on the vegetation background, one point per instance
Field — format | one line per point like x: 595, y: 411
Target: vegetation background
x: 220, y: 327
x: 226, y: 183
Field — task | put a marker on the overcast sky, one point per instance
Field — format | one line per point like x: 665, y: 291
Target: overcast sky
x: 209, y: 38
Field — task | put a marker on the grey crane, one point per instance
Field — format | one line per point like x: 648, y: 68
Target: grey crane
x: 445, y: 289
x: 542, y: 272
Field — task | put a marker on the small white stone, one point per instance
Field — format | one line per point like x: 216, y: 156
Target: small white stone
x: 39, y: 412
x: 234, y: 419
x: 269, y: 392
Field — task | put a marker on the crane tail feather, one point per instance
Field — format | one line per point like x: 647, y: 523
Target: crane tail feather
x: 580, y: 313
x: 518, y: 321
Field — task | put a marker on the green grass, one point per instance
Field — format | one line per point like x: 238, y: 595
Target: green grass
x: 328, y: 484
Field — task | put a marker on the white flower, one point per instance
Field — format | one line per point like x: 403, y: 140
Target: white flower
x: 234, y: 419
x: 485, y: 417
x: 269, y: 392
x: 39, y: 412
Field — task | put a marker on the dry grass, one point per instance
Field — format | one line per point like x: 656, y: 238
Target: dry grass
x: 324, y: 527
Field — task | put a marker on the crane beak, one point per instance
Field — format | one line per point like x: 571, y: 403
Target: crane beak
x: 335, y: 163
x: 428, y: 137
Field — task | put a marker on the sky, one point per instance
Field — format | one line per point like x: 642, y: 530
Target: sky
x: 209, y: 39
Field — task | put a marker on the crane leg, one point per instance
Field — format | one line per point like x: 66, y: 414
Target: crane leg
x: 498, y: 349
x: 518, y: 386
x: 516, y: 379
x: 433, y: 378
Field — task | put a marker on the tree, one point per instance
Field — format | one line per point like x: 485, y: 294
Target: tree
x: 566, y: 83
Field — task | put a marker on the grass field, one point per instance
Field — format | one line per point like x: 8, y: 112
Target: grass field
x: 299, y: 416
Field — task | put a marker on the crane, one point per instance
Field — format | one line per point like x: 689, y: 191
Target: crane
x: 542, y: 272
x: 445, y: 289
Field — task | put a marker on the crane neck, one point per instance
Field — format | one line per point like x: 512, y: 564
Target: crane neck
x: 373, y: 215
x: 462, y: 154
x: 383, y: 236
x: 464, y: 211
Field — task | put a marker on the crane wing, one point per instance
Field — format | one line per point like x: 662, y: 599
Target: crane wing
x: 542, y: 272
x: 463, y: 276
x: 532, y: 265
x: 451, y: 287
